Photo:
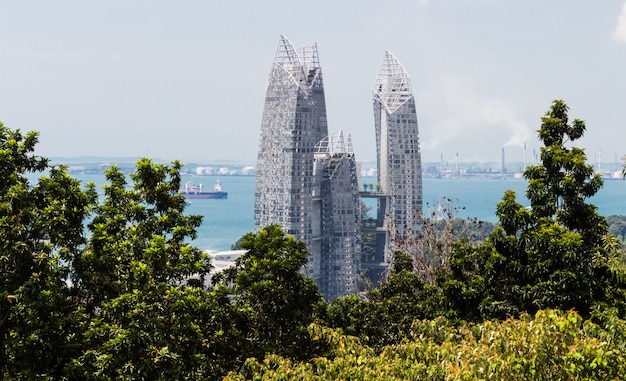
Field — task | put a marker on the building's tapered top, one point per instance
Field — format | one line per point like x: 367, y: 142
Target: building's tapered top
x: 334, y: 143
x: 393, y: 86
x: 303, y: 64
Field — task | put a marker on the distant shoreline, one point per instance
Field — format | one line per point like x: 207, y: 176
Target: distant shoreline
x: 433, y: 170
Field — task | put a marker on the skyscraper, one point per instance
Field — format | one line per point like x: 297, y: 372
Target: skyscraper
x: 294, y: 121
x: 307, y: 180
x: 306, y: 183
x: 398, y: 153
x: 337, y: 217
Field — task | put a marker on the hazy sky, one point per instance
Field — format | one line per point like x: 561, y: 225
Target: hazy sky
x: 187, y: 79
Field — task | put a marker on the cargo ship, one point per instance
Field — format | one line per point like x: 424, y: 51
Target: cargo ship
x: 195, y: 191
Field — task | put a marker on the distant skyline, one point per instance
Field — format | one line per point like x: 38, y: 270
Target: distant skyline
x: 187, y: 80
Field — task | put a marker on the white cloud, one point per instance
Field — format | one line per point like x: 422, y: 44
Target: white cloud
x: 620, y: 31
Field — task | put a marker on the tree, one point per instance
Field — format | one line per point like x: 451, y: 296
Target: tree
x: 549, y: 345
x: 131, y: 298
x: 41, y: 228
x: 617, y: 227
x: 555, y: 254
x: 385, y: 316
x: 138, y: 236
x: 440, y: 228
x: 277, y: 302
x: 148, y: 315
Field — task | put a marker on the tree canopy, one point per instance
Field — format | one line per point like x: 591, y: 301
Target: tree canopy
x: 556, y: 252
x: 41, y: 229
x: 549, y: 345
x: 110, y: 286
x: 276, y: 302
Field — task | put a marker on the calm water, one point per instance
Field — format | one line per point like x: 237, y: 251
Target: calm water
x: 225, y: 221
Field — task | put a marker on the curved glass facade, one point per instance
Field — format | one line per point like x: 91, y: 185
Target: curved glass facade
x: 304, y: 185
x: 294, y: 121
x: 398, y: 153
x: 307, y: 179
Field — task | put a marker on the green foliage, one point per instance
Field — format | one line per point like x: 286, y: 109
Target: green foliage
x: 386, y: 315
x: 147, y: 313
x: 138, y: 237
x: 555, y: 254
x: 130, y: 298
x: 551, y: 345
x: 551, y: 255
x: 40, y: 228
x: 184, y: 333
x: 276, y: 302
x: 617, y: 227
x: 413, y: 288
x: 430, y: 247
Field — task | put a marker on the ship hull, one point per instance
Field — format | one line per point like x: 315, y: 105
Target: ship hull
x: 200, y: 195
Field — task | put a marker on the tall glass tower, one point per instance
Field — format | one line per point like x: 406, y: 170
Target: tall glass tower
x: 336, y: 216
x: 398, y: 153
x: 294, y: 121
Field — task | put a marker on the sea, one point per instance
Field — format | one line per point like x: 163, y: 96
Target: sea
x: 227, y: 220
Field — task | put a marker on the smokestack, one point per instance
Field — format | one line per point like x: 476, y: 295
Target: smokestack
x: 441, y: 166
x: 503, y: 166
